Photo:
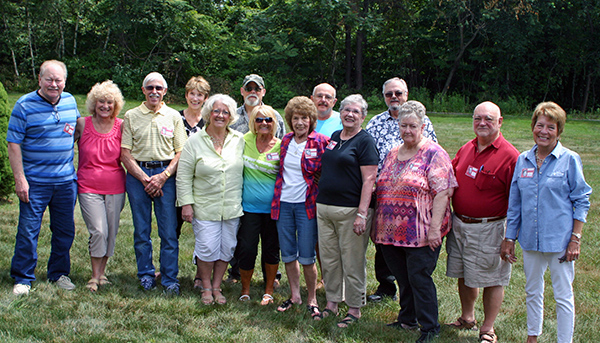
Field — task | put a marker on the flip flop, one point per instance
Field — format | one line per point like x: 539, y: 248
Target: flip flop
x: 327, y: 312
x: 103, y: 281
x: 197, y: 286
x: 266, y: 299
x: 347, y: 321
x: 285, y: 305
x: 244, y: 297
x: 92, y: 285
x: 463, y: 324
x: 488, y: 337
x: 314, y: 311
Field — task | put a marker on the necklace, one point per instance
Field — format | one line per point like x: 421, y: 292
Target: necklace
x: 538, y: 160
x: 218, y: 143
x: 342, y: 142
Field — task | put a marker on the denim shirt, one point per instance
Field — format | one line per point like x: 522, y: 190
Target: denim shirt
x: 543, y: 203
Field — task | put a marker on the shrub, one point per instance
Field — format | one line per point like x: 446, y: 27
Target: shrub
x: 7, y: 182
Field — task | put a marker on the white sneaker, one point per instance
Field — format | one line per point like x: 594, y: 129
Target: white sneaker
x: 64, y: 282
x: 21, y: 289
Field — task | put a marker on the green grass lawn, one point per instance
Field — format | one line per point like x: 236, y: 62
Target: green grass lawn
x: 123, y: 313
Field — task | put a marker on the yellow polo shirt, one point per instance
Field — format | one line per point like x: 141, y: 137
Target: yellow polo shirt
x: 153, y: 136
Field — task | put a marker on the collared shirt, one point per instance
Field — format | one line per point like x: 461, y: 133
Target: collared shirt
x: 330, y: 125
x: 484, y: 178
x: 544, y: 202
x: 385, y: 130
x: 153, y: 136
x: 209, y: 181
x: 241, y: 124
x: 45, y: 133
x: 311, y: 170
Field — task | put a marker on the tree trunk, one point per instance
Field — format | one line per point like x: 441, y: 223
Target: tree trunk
x: 360, y: 38
x: 348, y: 55
x: 461, y: 52
x: 30, y: 44
x: 75, y: 36
x: 586, y: 95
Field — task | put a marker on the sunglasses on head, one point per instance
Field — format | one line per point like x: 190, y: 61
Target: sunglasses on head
x: 151, y: 88
x: 396, y: 93
x: 260, y: 120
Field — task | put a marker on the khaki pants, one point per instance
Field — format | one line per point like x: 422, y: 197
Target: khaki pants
x: 343, y: 253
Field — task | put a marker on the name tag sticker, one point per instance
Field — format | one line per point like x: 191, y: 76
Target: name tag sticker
x: 415, y: 166
x: 166, y: 132
x: 331, y: 145
x: 471, y: 172
x: 310, y: 153
x: 527, y: 173
x: 274, y: 156
x: 69, y: 129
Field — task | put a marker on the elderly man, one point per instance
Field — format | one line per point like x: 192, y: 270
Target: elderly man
x: 253, y: 90
x: 153, y: 137
x: 328, y: 120
x: 484, y: 168
x: 40, y: 151
x: 386, y: 132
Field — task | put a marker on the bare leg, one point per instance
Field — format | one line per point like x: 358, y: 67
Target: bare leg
x: 206, y: 269
x: 293, y: 273
x: 219, y: 270
x: 97, y: 267
x: 310, y: 275
x: 198, y: 283
x: 492, y: 300
x: 532, y: 339
x: 468, y: 296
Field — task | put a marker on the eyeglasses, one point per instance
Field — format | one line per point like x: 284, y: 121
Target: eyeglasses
x: 357, y: 112
x: 55, y: 114
x: 151, y: 88
x: 259, y: 120
x: 250, y: 89
x: 324, y: 96
x: 217, y: 112
x: 396, y: 93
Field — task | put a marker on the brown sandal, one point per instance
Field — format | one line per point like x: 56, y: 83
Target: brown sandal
x: 488, y: 337
x: 92, y: 285
x: 463, y: 324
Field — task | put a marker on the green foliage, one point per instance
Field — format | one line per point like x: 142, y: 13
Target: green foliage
x: 7, y: 181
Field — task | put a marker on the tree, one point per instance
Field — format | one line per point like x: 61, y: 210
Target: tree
x: 7, y: 181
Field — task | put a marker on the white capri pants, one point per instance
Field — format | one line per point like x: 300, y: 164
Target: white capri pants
x: 535, y: 264
x: 215, y: 240
x: 101, y: 213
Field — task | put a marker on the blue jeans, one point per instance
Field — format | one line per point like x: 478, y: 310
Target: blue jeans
x: 413, y: 268
x: 166, y: 219
x: 60, y: 199
x: 297, y: 234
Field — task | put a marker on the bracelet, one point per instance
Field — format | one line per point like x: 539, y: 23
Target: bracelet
x: 578, y: 235
x: 510, y: 240
x: 167, y: 173
x: 361, y: 216
x: 574, y: 241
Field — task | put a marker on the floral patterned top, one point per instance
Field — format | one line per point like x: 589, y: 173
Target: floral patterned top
x: 405, y: 192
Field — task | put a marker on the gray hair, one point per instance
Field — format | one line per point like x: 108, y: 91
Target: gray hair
x: 402, y: 82
x: 45, y: 65
x: 355, y: 99
x: 322, y: 84
x: 412, y: 108
x: 226, y: 100
x: 153, y: 76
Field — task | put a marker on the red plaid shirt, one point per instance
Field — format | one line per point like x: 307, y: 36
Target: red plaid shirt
x: 311, y: 168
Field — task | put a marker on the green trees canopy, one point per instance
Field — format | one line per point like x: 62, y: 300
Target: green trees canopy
x: 529, y: 50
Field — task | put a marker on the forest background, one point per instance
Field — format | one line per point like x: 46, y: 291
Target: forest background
x: 518, y: 52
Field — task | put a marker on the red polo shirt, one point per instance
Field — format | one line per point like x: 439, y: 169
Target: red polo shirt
x: 484, y: 178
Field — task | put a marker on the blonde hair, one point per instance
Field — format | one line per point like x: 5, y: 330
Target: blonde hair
x: 266, y: 111
x: 106, y: 90
x: 551, y: 110
x: 198, y: 83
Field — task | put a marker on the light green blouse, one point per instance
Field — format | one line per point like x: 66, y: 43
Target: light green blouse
x: 211, y: 182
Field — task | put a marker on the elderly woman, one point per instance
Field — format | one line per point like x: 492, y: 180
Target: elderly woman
x: 294, y: 205
x: 100, y: 175
x: 349, y: 168
x: 548, y: 231
x: 412, y: 216
x: 197, y: 90
x: 209, y: 188
x: 261, y: 164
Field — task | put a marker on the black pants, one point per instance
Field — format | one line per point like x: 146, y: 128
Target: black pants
x: 387, y: 281
x: 255, y: 226
x: 413, y: 268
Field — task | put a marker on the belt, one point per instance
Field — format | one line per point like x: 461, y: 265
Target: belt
x: 471, y: 220
x: 153, y: 164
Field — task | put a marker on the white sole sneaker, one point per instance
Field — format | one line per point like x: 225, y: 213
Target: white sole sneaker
x: 21, y: 289
x: 65, y: 283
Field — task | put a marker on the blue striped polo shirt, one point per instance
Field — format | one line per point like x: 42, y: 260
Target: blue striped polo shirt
x: 45, y: 133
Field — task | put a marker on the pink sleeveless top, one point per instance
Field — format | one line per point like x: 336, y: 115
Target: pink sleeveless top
x: 100, y: 170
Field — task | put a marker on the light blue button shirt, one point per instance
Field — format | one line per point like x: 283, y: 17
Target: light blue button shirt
x: 543, y: 203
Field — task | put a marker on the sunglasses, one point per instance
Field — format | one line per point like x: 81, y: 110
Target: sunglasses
x: 250, y: 89
x: 260, y: 120
x: 396, y: 93
x: 151, y: 88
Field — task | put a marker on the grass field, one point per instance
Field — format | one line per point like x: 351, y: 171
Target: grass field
x: 123, y: 313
